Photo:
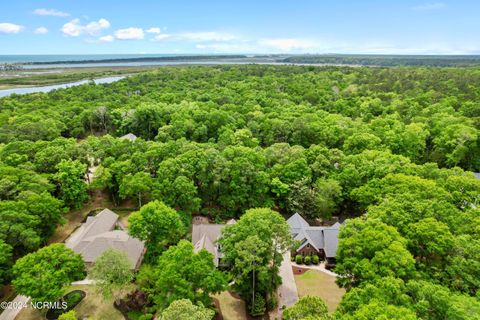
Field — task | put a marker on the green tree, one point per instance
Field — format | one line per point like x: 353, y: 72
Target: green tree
x: 369, y: 250
x: 71, y: 182
x: 254, y: 247
x: 157, y: 224
x: 48, y: 209
x: 139, y: 185
x: 184, y: 309
x: 43, y: 275
x: 308, y: 307
x: 112, y: 272
x: 377, y: 310
x: 182, y: 274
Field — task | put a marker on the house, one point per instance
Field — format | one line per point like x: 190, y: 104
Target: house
x: 100, y: 233
x: 314, y: 240
x: 205, y: 236
x: 129, y: 136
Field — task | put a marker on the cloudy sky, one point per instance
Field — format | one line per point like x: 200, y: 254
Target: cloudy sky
x: 246, y: 26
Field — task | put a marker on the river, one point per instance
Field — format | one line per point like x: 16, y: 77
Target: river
x: 7, y: 92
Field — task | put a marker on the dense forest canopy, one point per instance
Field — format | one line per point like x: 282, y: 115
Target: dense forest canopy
x: 388, y: 60
x: 389, y: 148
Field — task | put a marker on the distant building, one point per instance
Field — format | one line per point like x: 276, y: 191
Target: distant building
x: 477, y: 175
x: 98, y: 234
x: 129, y: 136
x: 205, y: 236
x: 315, y: 240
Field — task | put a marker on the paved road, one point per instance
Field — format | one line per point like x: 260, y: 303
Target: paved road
x: 11, y: 313
x: 287, y: 293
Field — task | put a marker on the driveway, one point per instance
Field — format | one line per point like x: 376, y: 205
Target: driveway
x: 319, y: 267
x: 287, y: 292
x: 19, y: 303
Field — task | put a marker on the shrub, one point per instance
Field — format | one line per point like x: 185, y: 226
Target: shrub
x: 70, y: 315
x: 292, y: 258
x: 307, y: 260
x: 315, y: 259
x: 299, y: 259
x: 258, y: 308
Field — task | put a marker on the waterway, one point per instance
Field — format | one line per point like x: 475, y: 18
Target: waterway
x: 7, y: 92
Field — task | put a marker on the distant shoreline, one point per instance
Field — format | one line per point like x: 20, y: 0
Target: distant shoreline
x: 34, y: 61
x: 139, y: 59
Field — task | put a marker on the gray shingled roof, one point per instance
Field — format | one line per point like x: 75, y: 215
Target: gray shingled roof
x: 331, y: 242
x: 325, y: 238
x: 96, y: 235
x: 296, y: 221
x: 129, y: 136
x: 205, y: 236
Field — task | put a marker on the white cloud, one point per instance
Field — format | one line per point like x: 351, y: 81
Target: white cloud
x: 94, y: 27
x: 7, y: 27
x: 129, y: 34
x: 206, y: 36
x: 153, y: 30
x: 108, y: 38
x: 73, y: 28
x: 430, y: 6
x: 50, y: 12
x: 286, y: 44
x: 160, y: 37
x: 41, y: 30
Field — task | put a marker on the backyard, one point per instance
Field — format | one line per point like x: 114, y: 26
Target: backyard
x: 231, y: 308
x: 317, y: 283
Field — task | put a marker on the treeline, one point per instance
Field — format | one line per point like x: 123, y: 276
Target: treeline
x: 427, y: 115
x: 388, y: 60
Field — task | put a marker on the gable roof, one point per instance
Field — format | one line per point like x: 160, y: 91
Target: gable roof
x: 104, y: 221
x: 296, y: 221
x: 97, y: 235
x: 129, y: 136
x: 318, y: 237
x: 205, y: 236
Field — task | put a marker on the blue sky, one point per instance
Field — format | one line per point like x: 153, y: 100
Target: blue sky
x: 261, y: 26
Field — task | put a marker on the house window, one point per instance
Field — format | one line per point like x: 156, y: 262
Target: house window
x: 308, y: 245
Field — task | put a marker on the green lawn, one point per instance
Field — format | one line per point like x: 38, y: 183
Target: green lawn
x: 231, y: 307
x: 317, y: 283
x: 93, y: 307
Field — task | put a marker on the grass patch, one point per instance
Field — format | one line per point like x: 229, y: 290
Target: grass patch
x: 317, y: 283
x: 232, y: 308
x: 93, y: 307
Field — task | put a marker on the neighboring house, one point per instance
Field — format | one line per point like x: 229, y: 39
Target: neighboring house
x: 98, y: 234
x: 129, y: 136
x: 205, y: 236
x: 314, y: 240
x: 477, y: 175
